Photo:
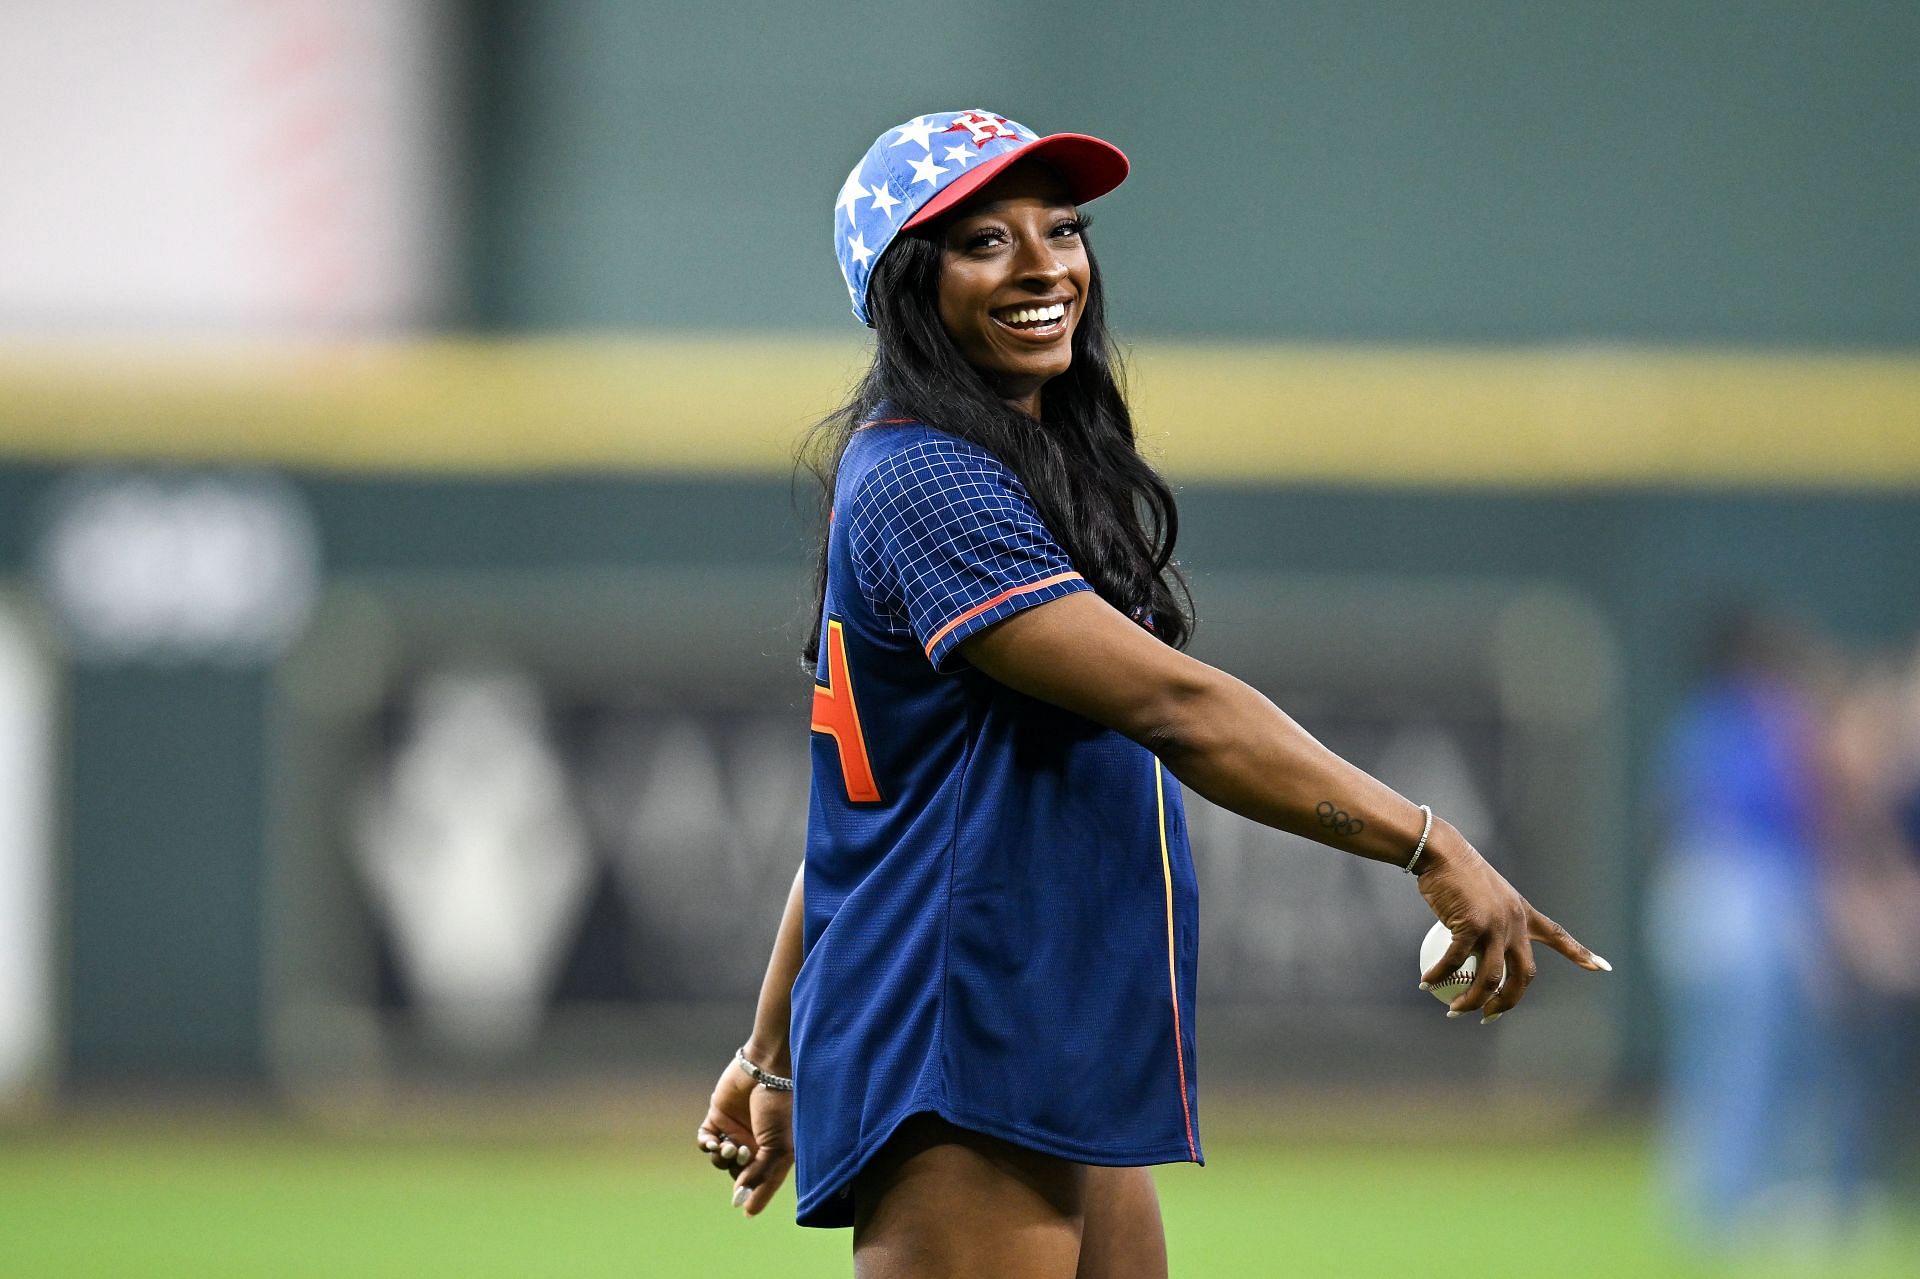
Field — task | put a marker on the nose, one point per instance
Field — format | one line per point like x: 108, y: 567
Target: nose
x: 1040, y: 265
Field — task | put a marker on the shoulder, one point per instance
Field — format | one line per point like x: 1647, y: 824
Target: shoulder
x: 893, y: 461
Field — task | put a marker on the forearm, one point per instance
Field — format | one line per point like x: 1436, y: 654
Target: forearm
x: 768, y: 1047
x: 1234, y: 747
x: 1215, y: 733
x: 1240, y: 751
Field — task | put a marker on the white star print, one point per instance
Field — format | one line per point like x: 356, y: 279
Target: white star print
x: 857, y: 245
x: 852, y: 190
x: 960, y: 155
x: 883, y: 200
x: 925, y: 170
x: 917, y: 133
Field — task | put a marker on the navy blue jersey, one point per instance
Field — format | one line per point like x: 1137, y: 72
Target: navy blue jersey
x: 1001, y: 915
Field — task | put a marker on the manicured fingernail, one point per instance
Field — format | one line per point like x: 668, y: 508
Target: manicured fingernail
x: 726, y: 1149
x: 1488, y: 1021
x: 1426, y: 985
x: 1456, y: 1012
x: 1605, y: 967
x: 740, y: 1194
x: 710, y: 1146
x: 743, y: 1156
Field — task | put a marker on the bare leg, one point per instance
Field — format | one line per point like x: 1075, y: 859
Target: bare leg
x: 1122, y: 1237
x: 940, y: 1202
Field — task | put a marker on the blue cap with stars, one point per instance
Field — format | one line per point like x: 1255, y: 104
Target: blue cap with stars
x: 930, y: 164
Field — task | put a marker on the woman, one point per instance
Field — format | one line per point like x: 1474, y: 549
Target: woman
x: 992, y: 1032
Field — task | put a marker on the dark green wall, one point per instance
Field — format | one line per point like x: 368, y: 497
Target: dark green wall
x: 164, y: 815
x: 165, y: 873
x: 1724, y: 171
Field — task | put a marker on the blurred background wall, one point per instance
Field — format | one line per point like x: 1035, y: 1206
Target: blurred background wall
x: 1387, y: 172
x: 401, y: 555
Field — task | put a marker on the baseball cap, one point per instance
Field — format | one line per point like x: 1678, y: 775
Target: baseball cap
x: 914, y: 173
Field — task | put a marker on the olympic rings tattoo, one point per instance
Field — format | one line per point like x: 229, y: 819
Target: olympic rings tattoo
x: 1338, y: 820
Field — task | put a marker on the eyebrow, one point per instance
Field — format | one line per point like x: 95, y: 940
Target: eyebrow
x: 992, y: 209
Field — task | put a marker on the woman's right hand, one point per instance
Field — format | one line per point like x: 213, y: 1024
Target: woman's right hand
x: 1489, y: 919
x: 748, y: 1134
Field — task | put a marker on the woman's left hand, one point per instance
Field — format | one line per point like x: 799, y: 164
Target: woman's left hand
x: 1491, y: 920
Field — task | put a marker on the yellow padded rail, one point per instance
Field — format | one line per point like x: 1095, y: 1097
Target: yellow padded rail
x: 1551, y: 417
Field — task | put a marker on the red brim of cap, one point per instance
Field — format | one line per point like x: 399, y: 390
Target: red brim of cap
x: 1089, y: 166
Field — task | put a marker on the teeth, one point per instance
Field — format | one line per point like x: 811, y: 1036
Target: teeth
x: 1037, y: 314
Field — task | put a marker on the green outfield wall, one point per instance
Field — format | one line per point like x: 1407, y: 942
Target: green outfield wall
x: 165, y: 785
x: 478, y: 485
x: 1725, y: 172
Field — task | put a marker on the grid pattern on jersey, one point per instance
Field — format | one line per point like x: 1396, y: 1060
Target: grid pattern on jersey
x: 946, y: 543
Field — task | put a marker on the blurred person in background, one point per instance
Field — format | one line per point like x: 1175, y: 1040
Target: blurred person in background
x: 1737, y: 928
x: 1870, y: 872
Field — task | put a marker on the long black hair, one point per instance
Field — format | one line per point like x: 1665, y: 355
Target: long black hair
x: 1112, y: 513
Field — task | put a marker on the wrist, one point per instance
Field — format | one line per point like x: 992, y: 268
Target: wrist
x: 1445, y: 847
x: 768, y: 1052
x: 761, y: 1076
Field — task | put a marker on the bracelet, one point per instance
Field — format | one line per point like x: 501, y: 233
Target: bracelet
x: 1421, y: 847
x: 765, y: 1078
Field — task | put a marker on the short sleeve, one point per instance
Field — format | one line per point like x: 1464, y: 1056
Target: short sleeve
x: 945, y: 537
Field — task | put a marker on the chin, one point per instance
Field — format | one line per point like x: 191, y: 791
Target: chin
x: 1043, y: 372
x: 1042, y: 364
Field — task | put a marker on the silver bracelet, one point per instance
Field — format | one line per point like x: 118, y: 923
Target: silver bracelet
x: 1421, y: 847
x: 765, y: 1078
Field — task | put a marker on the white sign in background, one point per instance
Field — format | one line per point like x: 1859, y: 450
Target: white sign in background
x: 26, y: 860
x: 204, y: 166
x: 178, y: 565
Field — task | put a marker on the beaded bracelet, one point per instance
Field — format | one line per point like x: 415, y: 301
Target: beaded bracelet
x: 1421, y: 847
x: 765, y: 1078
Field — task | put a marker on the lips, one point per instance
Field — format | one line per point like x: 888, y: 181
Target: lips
x: 1036, y: 321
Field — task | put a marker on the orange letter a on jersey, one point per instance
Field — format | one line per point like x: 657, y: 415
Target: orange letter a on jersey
x: 835, y: 715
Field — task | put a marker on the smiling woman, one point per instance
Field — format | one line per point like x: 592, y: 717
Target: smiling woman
x: 953, y: 292
x: 976, y: 1031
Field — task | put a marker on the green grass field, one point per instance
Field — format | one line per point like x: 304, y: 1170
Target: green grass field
x: 215, y: 1200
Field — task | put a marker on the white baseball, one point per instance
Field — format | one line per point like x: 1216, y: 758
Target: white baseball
x: 1432, y: 947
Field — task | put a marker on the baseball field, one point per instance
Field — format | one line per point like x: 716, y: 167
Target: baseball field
x: 208, y: 1199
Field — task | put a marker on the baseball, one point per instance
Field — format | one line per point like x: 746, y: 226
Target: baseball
x: 1435, y: 944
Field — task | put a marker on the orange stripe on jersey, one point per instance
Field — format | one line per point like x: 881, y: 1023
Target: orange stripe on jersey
x: 1001, y: 598
x: 1173, y: 980
x: 835, y: 714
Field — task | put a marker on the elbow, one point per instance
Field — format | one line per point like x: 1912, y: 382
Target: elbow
x: 1183, y: 717
x: 1163, y: 739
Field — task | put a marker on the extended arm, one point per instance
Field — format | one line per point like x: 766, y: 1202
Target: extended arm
x: 748, y: 1131
x: 1239, y: 750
